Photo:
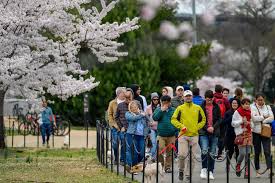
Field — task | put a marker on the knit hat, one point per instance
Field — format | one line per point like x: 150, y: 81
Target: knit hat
x: 153, y: 95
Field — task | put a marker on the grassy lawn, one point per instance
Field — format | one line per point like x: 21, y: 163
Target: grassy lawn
x: 52, y: 165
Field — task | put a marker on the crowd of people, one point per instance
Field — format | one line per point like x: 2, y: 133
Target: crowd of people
x: 215, y: 123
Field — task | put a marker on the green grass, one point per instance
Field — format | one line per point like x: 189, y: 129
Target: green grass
x: 54, y: 165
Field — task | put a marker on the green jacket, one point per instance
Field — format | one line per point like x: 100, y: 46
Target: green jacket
x: 165, y: 127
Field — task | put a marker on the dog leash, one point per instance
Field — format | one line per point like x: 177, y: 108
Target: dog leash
x: 172, y: 144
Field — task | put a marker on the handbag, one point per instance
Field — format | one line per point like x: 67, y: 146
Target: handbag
x: 239, y: 140
x: 266, y: 128
x: 266, y: 131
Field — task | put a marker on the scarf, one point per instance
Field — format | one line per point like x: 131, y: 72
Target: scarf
x: 247, y: 114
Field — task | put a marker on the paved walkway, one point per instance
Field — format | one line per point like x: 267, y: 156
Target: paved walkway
x: 220, y: 175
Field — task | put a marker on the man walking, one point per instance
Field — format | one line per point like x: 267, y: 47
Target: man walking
x: 115, y: 129
x: 166, y: 131
x: 191, y: 117
x: 122, y: 108
x: 224, y: 106
x: 47, y: 122
x: 178, y: 99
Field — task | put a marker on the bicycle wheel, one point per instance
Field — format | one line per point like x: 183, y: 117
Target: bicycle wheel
x: 24, y: 128
x: 62, y: 128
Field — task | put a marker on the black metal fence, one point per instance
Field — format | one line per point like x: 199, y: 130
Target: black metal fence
x: 19, y: 130
x: 106, y: 158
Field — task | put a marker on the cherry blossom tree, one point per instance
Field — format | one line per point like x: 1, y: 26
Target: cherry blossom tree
x: 208, y: 83
x: 40, y: 40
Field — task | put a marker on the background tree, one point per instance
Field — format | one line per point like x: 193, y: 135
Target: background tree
x: 40, y: 41
x: 247, y: 33
x: 152, y: 62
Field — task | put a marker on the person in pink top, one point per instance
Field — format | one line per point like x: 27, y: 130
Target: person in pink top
x: 209, y: 134
x: 153, y: 124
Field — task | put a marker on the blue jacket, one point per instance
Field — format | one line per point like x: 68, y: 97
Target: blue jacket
x: 47, y: 115
x: 133, y: 121
x: 198, y: 100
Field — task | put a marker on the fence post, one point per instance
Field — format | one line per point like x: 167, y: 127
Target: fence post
x: 124, y: 151
x: 97, y: 140
x: 87, y: 135
x: 271, y: 169
x: 157, y: 178
x: 172, y: 163
x: 143, y: 170
x: 24, y: 133
x: 117, y: 157
x: 53, y: 135
x: 190, y: 162
x: 107, y: 146
x: 38, y: 135
x: 12, y: 134
x: 69, y: 134
x: 248, y: 167
x: 208, y: 164
x: 9, y: 125
x: 103, y: 145
x: 111, y: 151
x: 227, y: 167
x: 132, y: 154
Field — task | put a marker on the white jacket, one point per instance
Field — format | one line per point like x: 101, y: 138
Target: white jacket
x: 237, y: 121
x: 264, y: 115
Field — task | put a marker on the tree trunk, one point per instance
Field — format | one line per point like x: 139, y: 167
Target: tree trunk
x: 2, y: 126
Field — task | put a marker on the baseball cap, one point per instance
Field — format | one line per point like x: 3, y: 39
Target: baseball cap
x: 179, y: 87
x: 187, y: 92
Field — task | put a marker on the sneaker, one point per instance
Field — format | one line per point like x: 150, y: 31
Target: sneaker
x: 211, y: 176
x: 181, y: 175
x: 258, y: 175
x: 168, y: 170
x: 135, y: 173
x: 203, y: 174
x: 187, y: 179
x: 238, y: 170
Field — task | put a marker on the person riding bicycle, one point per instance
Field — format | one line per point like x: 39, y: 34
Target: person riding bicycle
x: 47, y: 119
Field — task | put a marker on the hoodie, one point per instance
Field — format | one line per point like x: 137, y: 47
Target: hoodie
x: 135, y: 87
x: 225, y: 101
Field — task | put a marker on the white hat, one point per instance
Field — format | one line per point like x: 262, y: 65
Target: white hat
x: 187, y: 92
x: 179, y: 87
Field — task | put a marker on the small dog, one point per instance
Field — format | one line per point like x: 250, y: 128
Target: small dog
x: 150, y: 172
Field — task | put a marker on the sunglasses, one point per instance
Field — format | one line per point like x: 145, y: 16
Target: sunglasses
x: 155, y: 99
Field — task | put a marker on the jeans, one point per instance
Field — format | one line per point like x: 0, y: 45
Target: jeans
x: 243, y: 152
x: 122, y: 154
x: 134, y: 149
x: 114, y: 134
x: 46, y: 129
x: 208, y: 143
x: 258, y: 140
x: 153, y: 137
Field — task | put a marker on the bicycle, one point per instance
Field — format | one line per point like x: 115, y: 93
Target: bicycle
x: 29, y: 124
x: 61, y: 127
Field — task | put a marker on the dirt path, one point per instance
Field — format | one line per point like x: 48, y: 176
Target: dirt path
x: 78, y: 140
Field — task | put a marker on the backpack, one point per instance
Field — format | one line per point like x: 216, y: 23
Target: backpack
x: 220, y: 102
x: 273, y: 128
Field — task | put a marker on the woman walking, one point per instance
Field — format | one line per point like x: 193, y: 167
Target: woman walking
x: 136, y: 134
x: 230, y: 136
x: 262, y: 115
x: 243, y: 125
x: 153, y: 124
